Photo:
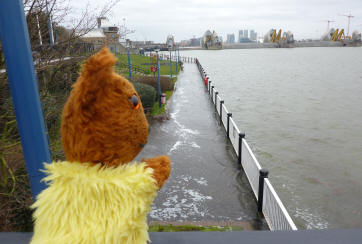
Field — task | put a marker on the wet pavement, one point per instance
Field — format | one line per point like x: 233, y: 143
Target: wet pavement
x: 206, y: 183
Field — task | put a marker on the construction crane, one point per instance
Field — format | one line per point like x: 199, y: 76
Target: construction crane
x: 349, y: 21
x: 329, y: 21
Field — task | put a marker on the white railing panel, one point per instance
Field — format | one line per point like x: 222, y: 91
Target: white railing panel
x: 218, y: 99
x: 251, y: 166
x: 213, y: 95
x: 234, y: 135
x: 224, y: 117
x: 274, y: 211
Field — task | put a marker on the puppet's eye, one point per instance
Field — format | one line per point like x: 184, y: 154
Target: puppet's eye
x: 134, y: 101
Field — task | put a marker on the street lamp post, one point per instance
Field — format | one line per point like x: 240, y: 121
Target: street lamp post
x: 171, y: 62
x: 158, y: 80
x: 129, y: 65
x: 176, y: 58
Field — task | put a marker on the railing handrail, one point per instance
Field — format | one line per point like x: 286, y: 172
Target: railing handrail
x: 261, y: 185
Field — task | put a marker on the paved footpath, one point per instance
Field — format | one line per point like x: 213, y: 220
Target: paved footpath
x: 206, y: 185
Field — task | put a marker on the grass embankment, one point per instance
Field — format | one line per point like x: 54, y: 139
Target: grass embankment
x: 176, y: 228
x: 145, y: 63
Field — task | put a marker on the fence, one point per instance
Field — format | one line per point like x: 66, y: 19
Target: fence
x: 173, y: 57
x: 268, y: 200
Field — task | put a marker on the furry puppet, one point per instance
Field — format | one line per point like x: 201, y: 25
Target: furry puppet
x: 98, y: 195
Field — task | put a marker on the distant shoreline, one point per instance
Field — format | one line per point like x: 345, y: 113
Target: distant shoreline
x: 254, y: 45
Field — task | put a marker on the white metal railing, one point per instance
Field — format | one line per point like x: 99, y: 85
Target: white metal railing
x: 213, y: 95
x: 224, y: 116
x: 274, y: 211
x: 234, y: 135
x: 251, y: 166
x: 218, y: 99
x: 272, y: 207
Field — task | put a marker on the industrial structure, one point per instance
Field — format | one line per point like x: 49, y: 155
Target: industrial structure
x: 211, y: 40
x: 283, y: 40
x: 335, y: 35
x: 170, y: 42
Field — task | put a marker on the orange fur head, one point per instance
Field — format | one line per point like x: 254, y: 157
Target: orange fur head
x: 100, y: 121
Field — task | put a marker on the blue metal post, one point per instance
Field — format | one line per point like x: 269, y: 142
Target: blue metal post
x: 24, y: 90
x: 176, y: 58
x: 171, y: 63
x: 178, y: 51
x: 50, y: 27
x: 129, y: 66
x: 158, y: 80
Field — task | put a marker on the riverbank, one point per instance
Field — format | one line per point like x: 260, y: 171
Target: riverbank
x: 297, y: 44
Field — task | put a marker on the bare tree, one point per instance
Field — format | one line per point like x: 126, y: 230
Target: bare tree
x: 46, y: 21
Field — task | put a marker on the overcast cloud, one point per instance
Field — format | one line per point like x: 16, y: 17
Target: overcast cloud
x: 155, y: 19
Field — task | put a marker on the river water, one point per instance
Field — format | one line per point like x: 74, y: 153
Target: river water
x: 301, y: 110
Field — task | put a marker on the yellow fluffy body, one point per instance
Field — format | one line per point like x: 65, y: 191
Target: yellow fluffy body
x: 93, y: 204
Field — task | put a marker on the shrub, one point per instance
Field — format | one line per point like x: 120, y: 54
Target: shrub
x: 166, y: 82
x: 147, y: 94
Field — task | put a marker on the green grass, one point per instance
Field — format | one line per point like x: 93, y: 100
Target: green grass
x: 145, y: 63
x: 156, y: 110
x: 176, y: 228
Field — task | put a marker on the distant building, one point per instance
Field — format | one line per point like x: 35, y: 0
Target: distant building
x: 253, y: 35
x: 246, y: 34
x: 241, y: 36
x: 230, y: 38
x: 96, y: 37
x: 195, y: 42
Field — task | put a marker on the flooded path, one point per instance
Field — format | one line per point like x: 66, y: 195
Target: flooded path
x: 205, y: 183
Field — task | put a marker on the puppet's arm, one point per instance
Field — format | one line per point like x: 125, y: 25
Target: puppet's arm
x: 161, y: 166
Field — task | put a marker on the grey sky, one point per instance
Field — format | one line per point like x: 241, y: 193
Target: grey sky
x: 155, y: 19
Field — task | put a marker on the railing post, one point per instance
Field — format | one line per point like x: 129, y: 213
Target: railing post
x: 216, y: 100
x: 228, y: 124
x: 212, y: 92
x: 221, y: 102
x: 263, y: 173
x: 241, y: 136
x: 209, y: 86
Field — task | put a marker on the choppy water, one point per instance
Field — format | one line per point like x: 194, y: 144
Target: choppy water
x: 301, y: 110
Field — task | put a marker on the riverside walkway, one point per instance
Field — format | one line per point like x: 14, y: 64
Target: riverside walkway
x: 206, y: 185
